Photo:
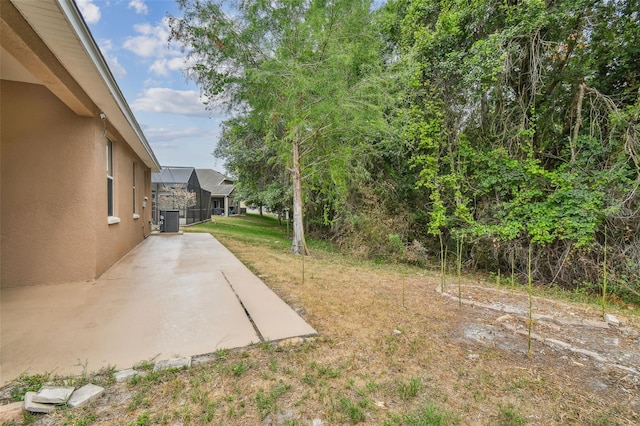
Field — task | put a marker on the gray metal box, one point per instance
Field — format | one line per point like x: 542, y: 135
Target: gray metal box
x: 169, y: 220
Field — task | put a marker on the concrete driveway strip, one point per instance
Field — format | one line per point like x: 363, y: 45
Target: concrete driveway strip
x: 168, y: 297
x: 273, y: 318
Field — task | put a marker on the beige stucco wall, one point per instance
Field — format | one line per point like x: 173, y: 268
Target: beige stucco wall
x: 48, y: 196
x: 117, y: 239
x: 53, y: 210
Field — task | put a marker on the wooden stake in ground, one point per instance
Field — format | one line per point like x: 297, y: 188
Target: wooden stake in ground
x: 530, y: 291
x: 604, y: 274
x: 302, y: 269
x: 459, y: 244
x: 513, y: 269
x: 442, y: 262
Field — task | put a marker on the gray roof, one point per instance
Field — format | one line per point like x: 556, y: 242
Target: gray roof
x: 215, y: 182
x: 173, y: 175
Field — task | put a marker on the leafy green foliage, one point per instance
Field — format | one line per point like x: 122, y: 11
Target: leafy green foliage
x: 503, y: 124
x: 518, y: 125
x: 305, y: 76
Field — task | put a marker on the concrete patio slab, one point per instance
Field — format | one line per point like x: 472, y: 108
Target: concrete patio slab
x: 170, y: 297
x: 11, y: 413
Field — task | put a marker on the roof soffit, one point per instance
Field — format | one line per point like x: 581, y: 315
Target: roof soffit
x: 20, y: 40
x: 11, y: 69
x: 59, y: 23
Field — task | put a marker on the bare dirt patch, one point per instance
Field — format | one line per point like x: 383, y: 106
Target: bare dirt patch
x: 394, y: 350
x: 580, y: 331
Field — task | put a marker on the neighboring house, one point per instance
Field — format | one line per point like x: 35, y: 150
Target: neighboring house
x: 222, y: 191
x: 178, y: 188
x: 75, y: 167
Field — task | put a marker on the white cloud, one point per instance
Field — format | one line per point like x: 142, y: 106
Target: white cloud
x: 165, y: 100
x: 151, y: 41
x: 144, y: 45
x: 106, y: 46
x: 151, y: 82
x: 114, y: 65
x: 90, y: 12
x: 165, y: 137
x: 139, y: 6
x: 164, y: 66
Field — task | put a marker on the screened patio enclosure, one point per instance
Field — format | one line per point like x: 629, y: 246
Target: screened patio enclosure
x: 222, y: 189
x: 178, y: 188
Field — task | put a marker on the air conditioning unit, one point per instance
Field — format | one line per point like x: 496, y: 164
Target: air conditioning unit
x: 169, y: 220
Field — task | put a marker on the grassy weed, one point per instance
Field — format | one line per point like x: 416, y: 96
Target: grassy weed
x: 410, y: 389
x: 353, y: 411
x: 240, y: 368
x: 266, y: 401
x: 28, y: 383
x: 508, y: 416
x: 143, y: 419
x: 208, y: 411
x: 428, y: 415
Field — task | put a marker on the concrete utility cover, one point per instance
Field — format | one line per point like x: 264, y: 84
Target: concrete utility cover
x: 172, y: 296
x: 36, y: 407
x: 53, y: 395
x: 85, y: 394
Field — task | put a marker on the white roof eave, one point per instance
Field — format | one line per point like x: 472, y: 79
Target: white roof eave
x: 78, y: 52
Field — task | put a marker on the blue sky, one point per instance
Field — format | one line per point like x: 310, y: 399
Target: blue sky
x: 132, y: 35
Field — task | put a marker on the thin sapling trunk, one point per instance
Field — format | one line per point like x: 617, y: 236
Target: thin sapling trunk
x: 298, y: 243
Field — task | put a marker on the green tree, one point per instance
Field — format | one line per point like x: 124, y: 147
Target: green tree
x: 307, y: 72
x: 519, y: 119
x: 260, y: 180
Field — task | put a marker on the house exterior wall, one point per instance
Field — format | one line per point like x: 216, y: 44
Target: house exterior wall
x: 54, y: 225
x: 48, y: 188
x: 116, y: 240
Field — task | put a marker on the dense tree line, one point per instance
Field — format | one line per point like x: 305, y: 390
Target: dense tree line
x: 424, y: 127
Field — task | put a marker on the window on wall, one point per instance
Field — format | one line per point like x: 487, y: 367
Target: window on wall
x: 110, y: 191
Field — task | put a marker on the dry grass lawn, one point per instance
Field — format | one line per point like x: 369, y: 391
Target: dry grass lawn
x: 391, y: 350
